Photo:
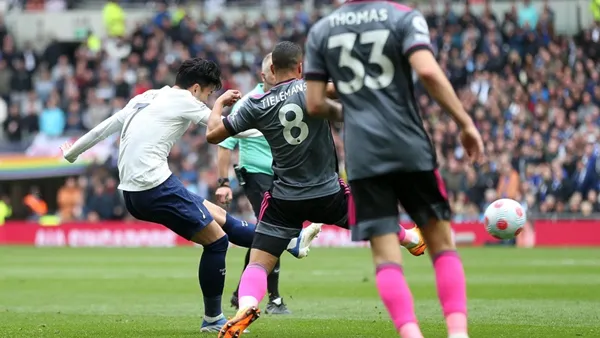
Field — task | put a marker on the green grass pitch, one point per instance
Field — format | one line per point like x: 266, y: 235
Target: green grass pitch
x: 513, y: 293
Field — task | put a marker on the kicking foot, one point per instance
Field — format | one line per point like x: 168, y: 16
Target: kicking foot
x: 299, y: 247
x: 238, y: 324
x: 277, y: 307
x: 417, y: 247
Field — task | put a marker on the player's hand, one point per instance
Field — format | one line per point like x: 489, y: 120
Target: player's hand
x: 472, y: 142
x: 224, y: 195
x: 65, y: 151
x: 230, y: 97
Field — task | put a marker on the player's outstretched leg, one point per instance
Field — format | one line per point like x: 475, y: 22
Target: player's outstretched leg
x: 211, y: 274
x: 449, y: 276
x: 392, y: 286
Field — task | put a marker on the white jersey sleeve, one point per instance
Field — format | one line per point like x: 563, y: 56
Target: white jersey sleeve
x: 109, y: 126
x: 106, y: 128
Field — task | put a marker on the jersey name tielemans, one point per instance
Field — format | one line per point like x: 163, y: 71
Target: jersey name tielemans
x: 273, y: 99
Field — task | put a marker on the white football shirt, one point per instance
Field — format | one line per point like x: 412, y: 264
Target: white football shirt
x: 150, y: 124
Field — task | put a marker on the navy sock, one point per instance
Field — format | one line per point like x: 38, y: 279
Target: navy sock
x: 240, y: 233
x: 211, y: 275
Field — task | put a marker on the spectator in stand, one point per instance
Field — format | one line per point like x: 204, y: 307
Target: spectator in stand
x: 5, y: 209
x: 102, y: 203
x: 20, y: 82
x: 5, y: 80
x: 528, y: 15
x: 52, y: 118
x: 508, y: 182
x: 70, y: 200
x: 114, y: 19
x: 37, y: 206
x: 13, y: 124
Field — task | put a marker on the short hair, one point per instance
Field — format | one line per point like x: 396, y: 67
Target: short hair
x: 266, y: 63
x: 286, y: 55
x: 200, y: 71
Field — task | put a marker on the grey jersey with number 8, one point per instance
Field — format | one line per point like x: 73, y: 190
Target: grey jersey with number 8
x: 364, y: 47
x: 304, y: 160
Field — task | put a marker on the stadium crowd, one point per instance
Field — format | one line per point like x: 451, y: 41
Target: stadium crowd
x: 534, y: 95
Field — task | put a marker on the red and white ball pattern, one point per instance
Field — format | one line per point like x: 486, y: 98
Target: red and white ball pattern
x: 504, y: 218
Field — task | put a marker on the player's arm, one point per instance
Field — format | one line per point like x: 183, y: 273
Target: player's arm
x: 417, y: 48
x: 224, y: 193
x: 318, y: 87
x: 219, y: 128
x: 224, y: 156
x: 199, y: 113
x: 106, y: 128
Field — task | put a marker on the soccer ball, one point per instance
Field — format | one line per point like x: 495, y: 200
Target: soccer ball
x: 504, y: 219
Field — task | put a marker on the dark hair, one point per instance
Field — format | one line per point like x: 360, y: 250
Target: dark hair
x: 286, y: 55
x: 200, y: 71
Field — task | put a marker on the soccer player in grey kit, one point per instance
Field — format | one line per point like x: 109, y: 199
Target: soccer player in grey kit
x: 306, y: 184
x: 369, y: 49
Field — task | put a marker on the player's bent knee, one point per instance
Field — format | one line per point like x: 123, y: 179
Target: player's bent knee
x: 272, y: 245
x: 264, y: 259
x: 209, y: 234
x: 220, y: 245
x: 438, y: 236
x: 218, y: 213
x: 385, y: 249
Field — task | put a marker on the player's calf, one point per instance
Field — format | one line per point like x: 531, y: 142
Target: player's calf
x: 211, y: 274
x: 265, y: 253
x: 392, y: 286
x: 449, y: 274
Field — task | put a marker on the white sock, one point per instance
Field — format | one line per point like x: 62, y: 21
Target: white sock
x: 247, y: 301
x: 276, y: 301
x: 213, y: 319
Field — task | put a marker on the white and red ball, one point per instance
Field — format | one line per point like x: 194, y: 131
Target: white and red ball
x: 504, y: 218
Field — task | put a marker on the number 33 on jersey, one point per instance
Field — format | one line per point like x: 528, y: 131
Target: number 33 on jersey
x: 364, y: 46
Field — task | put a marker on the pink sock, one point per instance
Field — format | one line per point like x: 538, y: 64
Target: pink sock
x: 253, y: 286
x: 396, y: 297
x: 452, y: 290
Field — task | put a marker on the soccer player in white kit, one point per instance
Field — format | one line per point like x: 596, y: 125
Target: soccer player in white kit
x: 149, y: 125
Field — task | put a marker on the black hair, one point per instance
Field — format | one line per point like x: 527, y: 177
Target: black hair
x: 286, y: 55
x: 200, y: 71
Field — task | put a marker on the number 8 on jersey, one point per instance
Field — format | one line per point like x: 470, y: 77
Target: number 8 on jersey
x: 291, y: 126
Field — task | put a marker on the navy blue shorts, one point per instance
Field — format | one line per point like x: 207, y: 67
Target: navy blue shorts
x: 171, y: 205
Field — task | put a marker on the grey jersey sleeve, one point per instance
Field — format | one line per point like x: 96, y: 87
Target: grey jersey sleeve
x: 314, y: 60
x: 240, y: 120
x: 415, y: 33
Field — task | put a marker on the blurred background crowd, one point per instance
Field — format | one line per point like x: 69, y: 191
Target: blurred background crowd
x: 534, y: 95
